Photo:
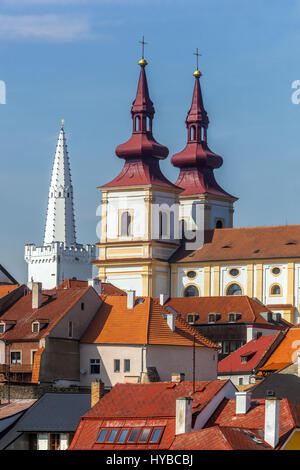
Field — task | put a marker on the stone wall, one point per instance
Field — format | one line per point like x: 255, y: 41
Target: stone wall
x: 34, y: 391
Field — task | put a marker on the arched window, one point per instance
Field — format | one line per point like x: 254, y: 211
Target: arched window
x: 219, y: 223
x: 234, y: 289
x: 126, y: 224
x: 148, y: 124
x: 137, y: 123
x: 193, y: 133
x: 163, y: 225
x: 191, y: 291
x: 275, y: 289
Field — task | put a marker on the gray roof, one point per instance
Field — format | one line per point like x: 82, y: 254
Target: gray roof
x: 53, y: 412
x: 284, y: 386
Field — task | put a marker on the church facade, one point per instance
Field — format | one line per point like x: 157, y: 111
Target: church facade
x: 177, y: 239
x: 60, y: 257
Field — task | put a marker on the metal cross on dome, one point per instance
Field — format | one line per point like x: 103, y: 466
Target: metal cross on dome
x: 197, y: 55
x: 143, y: 46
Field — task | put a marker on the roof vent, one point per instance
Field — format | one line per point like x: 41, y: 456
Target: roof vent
x: 256, y: 251
x: 292, y: 242
x: 226, y: 246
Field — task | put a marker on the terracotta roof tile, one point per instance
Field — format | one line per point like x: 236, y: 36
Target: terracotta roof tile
x: 106, y: 287
x: 245, y: 243
x: 286, y: 352
x: 14, y: 407
x: 255, y: 350
x: 144, y: 324
x: 56, y: 303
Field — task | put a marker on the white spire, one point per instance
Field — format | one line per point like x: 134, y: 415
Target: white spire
x: 60, y: 223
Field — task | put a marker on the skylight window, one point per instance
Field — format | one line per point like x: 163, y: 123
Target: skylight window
x: 145, y: 434
x: 123, y: 435
x: 134, y: 434
x: 155, y: 436
x: 102, y: 435
x: 112, y: 435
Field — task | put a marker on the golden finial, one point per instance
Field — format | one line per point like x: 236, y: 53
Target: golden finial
x: 197, y: 72
x: 143, y: 62
x: 62, y: 123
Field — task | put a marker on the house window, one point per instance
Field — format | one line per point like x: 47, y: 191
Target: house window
x: 32, y: 355
x: 126, y: 224
x: 15, y: 357
x: 240, y: 380
x: 32, y: 441
x: 54, y: 441
x: 126, y: 365
x: 35, y: 327
x: 211, y: 318
x: 191, y: 291
x: 70, y: 329
x: 234, y: 289
x: 2, y: 328
x: 95, y: 366
x: 82, y: 305
x: 231, y: 317
x: 116, y: 365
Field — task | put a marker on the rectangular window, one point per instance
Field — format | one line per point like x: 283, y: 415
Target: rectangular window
x: 70, y: 329
x: 133, y: 435
x: 145, y: 434
x: 102, y: 435
x: 54, y: 441
x: 15, y: 357
x: 123, y: 435
x: 35, y: 327
x: 2, y: 328
x: 95, y: 366
x: 82, y: 305
x: 155, y: 436
x: 126, y: 365
x: 116, y: 365
x: 240, y: 380
x: 112, y: 435
x: 32, y: 355
x: 225, y: 347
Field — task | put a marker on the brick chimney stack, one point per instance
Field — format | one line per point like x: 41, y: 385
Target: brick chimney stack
x: 97, y: 392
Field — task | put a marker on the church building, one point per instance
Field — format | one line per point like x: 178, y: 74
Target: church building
x: 177, y: 239
x: 60, y: 257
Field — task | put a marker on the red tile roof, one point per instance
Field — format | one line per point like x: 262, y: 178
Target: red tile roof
x: 56, y: 303
x: 250, y: 309
x: 144, y: 324
x: 254, y: 419
x: 245, y: 243
x: 106, y: 287
x: 139, y: 405
x: 255, y: 350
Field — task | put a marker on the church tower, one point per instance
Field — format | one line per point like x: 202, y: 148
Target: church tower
x: 138, y: 233
x: 204, y: 205
x: 60, y: 257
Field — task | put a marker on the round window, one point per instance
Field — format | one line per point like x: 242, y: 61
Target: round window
x: 191, y: 274
x: 234, y: 272
x: 276, y: 270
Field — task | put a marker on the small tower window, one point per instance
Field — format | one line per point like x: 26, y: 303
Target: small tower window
x: 191, y: 291
x: 137, y: 123
x: 219, y: 223
x: 193, y: 133
x: 59, y: 194
x: 163, y: 225
x: 126, y: 224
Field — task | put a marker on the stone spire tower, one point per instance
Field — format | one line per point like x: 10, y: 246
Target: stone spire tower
x: 60, y: 257
x: 60, y: 223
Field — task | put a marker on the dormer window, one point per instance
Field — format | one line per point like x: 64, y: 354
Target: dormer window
x: 231, y: 317
x: 35, y: 327
x: 2, y: 328
x: 192, y: 318
x: 211, y: 318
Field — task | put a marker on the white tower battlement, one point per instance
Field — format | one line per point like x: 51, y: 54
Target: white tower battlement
x: 60, y: 257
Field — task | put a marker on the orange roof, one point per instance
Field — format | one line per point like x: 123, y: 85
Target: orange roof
x: 286, y: 352
x: 7, y: 288
x: 106, y: 287
x: 144, y: 324
x: 249, y: 308
x: 245, y: 243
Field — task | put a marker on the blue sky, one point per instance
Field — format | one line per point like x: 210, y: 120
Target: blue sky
x: 77, y: 60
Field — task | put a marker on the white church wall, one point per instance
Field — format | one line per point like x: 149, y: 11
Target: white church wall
x: 226, y: 278
x: 132, y: 201
x: 184, y: 280
x: 270, y: 279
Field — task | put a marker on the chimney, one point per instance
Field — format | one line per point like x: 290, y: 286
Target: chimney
x: 171, y: 321
x: 130, y: 299
x: 177, y: 377
x: 97, y: 392
x: 242, y: 402
x: 163, y: 298
x: 96, y: 284
x: 36, y: 294
x: 184, y: 406
x: 272, y: 409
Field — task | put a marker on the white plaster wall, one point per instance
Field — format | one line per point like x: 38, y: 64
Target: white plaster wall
x: 235, y: 379
x: 170, y: 359
x: 107, y: 354
x: 269, y: 279
x: 226, y: 279
x: 252, y: 332
x: 220, y: 210
x: 183, y: 280
x: 132, y: 200
x: 128, y: 282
